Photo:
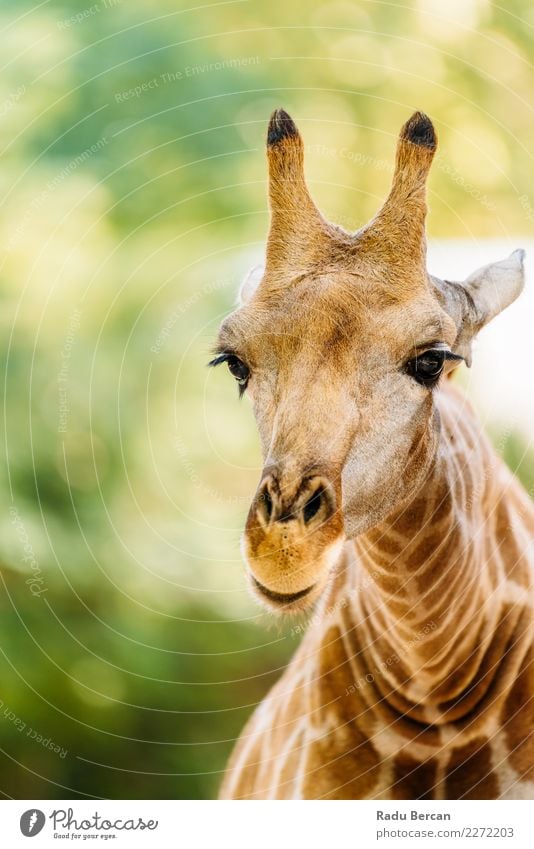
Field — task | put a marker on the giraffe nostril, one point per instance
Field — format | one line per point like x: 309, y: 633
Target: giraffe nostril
x: 267, y: 503
x: 265, y: 506
x: 307, y: 499
x: 313, y: 505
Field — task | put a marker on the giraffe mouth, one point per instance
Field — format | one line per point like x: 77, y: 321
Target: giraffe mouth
x: 281, y: 598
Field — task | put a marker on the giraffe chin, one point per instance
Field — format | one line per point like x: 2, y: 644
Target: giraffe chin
x: 292, y: 591
x: 284, y: 603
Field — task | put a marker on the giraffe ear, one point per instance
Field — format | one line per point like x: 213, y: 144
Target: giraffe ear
x: 494, y: 287
x: 482, y: 296
x: 250, y: 283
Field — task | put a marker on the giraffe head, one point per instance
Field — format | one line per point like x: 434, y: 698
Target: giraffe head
x: 340, y: 342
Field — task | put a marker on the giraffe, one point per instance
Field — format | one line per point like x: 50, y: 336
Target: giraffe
x: 381, y: 506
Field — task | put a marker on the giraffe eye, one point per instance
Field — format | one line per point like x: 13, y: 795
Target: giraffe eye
x: 236, y: 367
x: 427, y: 367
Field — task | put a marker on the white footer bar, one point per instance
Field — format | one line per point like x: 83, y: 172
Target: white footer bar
x: 268, y: 825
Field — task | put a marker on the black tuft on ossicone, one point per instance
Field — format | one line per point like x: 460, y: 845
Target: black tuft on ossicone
x: 420, y: 130
x: 281, y: 126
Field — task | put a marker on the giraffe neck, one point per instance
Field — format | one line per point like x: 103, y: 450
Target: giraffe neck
x: 414, y: 676
x: 427, y: 589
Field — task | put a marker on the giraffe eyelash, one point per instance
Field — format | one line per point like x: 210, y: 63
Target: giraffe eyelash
x: 221, y: 357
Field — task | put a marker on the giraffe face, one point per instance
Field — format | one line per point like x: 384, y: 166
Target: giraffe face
x: 347, y: 427
x: 341, y: 343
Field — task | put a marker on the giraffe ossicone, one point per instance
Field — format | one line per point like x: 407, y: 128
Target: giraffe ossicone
x: 382, y: 504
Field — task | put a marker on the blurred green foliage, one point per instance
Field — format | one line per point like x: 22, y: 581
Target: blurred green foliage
x: 133, y: 199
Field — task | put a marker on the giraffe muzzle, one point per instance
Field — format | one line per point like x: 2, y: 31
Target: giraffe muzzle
x: 293, y: 530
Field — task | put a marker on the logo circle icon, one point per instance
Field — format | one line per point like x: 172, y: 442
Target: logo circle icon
x: 32, y: 822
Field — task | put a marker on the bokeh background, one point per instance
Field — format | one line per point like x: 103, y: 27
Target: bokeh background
x: 132, y: 202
